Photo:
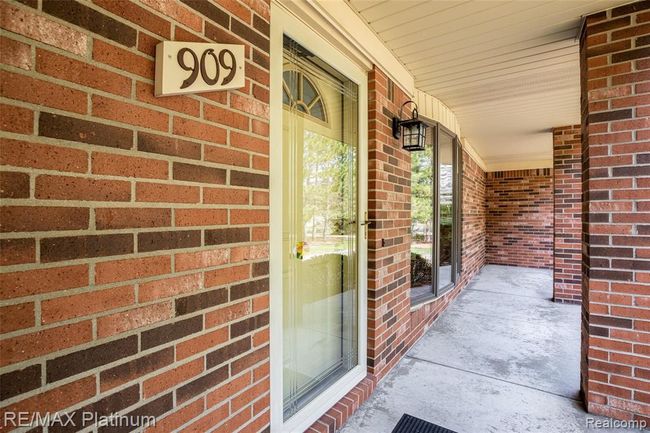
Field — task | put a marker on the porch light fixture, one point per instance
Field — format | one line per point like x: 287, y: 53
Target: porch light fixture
x: 412, y: 131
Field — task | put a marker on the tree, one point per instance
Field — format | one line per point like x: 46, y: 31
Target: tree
x: 422, y: 193
x: 329, y: 167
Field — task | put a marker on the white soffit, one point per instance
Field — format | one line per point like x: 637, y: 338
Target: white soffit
x: 508, y: 69
x: 343, y: 28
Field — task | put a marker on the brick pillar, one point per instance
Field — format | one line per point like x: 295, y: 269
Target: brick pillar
x: 615, y: 81
x: 389, y: 209
x: 567, y: 209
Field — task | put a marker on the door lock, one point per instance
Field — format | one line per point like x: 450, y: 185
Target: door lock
x: 365, y: 224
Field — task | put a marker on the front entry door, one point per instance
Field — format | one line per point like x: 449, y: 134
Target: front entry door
x: 320, y: 222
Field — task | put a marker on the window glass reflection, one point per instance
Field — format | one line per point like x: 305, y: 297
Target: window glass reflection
x: 422, y: 231
x: 446, y: 211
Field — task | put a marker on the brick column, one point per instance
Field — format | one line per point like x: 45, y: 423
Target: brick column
x: 615, y: 81
x: 567, y: 209
x: 389, y: 206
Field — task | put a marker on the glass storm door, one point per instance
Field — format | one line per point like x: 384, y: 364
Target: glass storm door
x: 319, y: 227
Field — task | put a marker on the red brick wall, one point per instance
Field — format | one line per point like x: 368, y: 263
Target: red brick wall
x: 567, y: 214
x: 474, y: 218
x: 615, y: 63
x: 520, y: 218
x: 134, y: 228
x: 392, y: 327
x: 389, y: 208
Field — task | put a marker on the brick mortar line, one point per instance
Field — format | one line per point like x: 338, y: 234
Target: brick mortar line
x: 97, y: 204
x: 252, y: 384
x: 141, y: 353
x: 89, y: 116
x: 150, y: 156
x: 34, y: 44
x: 140, y: 280
x: 38, y: 327
x: 93, y: 316
x: 195, y: 357
x: 157, y: 181
x: 39, y: 234
x: 134, y: 78
x: 178, y: 408
x: 169, y: 20
x: 229, y: 361
x: 88, y: 57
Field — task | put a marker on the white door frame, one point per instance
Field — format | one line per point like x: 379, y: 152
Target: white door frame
x: 283, y: 22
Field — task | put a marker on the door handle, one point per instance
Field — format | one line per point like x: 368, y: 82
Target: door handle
x: 365, y: 224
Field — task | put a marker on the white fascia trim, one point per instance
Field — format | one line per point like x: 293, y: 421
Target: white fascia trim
x: 336, y: 21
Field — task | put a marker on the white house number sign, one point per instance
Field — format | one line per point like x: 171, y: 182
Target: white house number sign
x: 193, y: 67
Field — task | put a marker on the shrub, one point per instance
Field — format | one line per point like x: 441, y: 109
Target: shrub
x: 420, y: 271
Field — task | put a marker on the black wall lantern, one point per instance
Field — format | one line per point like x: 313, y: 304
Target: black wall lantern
x: 412, y: 131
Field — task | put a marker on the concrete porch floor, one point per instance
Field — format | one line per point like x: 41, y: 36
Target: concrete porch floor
x: 502, y: 358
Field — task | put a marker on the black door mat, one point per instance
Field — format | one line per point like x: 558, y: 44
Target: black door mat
x: 411, y: 424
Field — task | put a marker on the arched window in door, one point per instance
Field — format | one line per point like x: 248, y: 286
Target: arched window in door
x: 299, y: 92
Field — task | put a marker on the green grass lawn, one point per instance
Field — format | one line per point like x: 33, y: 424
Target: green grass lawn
x: 423, y: 250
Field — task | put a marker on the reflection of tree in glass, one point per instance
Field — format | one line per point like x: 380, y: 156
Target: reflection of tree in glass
x: 422, y: 195
x: 327, y: 165
x: 446, y: 213
x: 446, y: 194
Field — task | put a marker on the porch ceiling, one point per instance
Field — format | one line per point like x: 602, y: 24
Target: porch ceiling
x: 508, y: 69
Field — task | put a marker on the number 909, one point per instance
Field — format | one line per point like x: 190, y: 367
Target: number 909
x: 224, y: 62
